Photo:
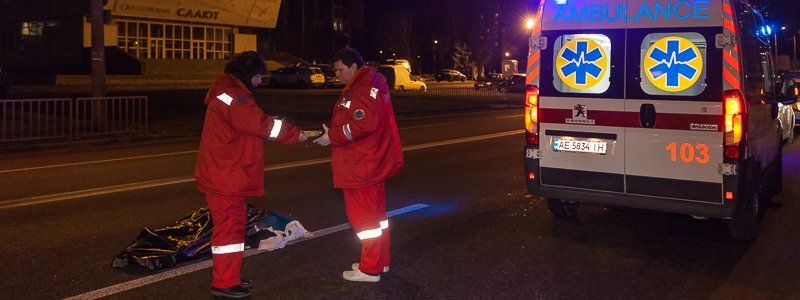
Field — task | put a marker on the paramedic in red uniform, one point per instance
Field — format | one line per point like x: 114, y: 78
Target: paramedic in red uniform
x: 366, y: 151
x: 230, y: 164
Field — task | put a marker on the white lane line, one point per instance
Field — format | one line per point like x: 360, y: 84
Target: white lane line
x: 178, y: 180
x: 425, y: 126
x: 153, y: 155
x: 95, y: 162
x: 508, y: 117
x: 137, y: 283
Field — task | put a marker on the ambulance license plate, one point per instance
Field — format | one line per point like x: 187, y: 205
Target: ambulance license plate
x: 580, y: 146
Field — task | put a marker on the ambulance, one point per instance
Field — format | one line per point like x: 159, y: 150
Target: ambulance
x: 663, y: 105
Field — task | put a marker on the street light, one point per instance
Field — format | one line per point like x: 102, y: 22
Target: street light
x: 435, y: 42
x: 529, y: 24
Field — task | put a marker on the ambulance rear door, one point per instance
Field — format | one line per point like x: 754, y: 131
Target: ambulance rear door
x: 582, y: 95
x: 673, y: 109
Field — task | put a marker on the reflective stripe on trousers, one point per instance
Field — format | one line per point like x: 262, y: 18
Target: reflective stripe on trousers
x: 373, y: 233
x: 227, y: 248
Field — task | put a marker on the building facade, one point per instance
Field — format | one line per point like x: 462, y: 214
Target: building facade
x: 53, y: 36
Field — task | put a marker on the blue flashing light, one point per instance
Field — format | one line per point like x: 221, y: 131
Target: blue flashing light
x: 765, y: 30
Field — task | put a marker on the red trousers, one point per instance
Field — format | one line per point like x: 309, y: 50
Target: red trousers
x: 366, y: 211
x: 229, y: 215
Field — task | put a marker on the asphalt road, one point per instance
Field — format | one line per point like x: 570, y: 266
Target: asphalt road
x: 65, y: 214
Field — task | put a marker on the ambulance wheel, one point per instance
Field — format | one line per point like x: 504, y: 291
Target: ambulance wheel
x: 565, y: 210
x: 744, y: 224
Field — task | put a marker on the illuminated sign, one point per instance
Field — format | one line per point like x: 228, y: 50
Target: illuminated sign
x: 656, y: 11
x: 673, y: 64
x: 581, y: 63
x: 198, y: 14
x: 250, y: 13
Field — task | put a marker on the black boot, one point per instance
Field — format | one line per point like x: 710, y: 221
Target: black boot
x: 231, y: 292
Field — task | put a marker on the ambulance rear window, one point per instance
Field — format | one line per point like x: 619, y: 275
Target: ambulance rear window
x: 673, y: 63
x: 582, y: 63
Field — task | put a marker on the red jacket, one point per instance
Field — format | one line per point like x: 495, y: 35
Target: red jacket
x: 231, y: 157
x: 363, y: 133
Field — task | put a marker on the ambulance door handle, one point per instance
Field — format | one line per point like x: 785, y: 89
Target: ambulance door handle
x: 647, y: 115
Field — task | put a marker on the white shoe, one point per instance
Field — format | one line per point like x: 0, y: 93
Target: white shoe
x: 385, y: 269
x: 357, y: 275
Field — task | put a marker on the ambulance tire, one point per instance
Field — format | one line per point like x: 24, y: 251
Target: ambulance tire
x: 744, y: 224
x: 564, y: 210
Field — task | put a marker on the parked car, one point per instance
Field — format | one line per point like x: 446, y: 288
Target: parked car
x: 330, y: 75
x: 488, y: 81
x: 515, y: 84
x: 400, y: 79
x: 450, y: 75
x: 3, y: 83
x: 302, y: 77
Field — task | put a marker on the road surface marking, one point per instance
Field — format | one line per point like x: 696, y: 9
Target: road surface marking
x: 137, y: 283
x: 185, y: 179
x: 153, y: 155
x: 429, y: 125
x: 507, y: 117
x: 95, y: 162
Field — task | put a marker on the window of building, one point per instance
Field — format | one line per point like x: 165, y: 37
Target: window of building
x: 338, y: 24
x: 33, y: 28
x: 158, y: 40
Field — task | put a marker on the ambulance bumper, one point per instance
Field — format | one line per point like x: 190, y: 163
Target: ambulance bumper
x: 696, y: 208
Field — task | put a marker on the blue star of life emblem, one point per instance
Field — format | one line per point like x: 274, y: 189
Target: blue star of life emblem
x: 673, y: 63
x: 581, y: 62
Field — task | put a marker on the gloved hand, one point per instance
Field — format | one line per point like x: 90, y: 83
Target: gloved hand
x: 323, y: 140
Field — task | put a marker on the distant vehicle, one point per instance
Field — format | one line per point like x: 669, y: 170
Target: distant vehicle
x: 302, y: 77
x: 400, y: 79
x: 450, y: 75
x: 330, y: 75
x: 789, y: 85
x: 509, y: 67
x: 488, y: 81
x: 399, y: 62
x: 788, y: 88
x: 515, y: 84
x: 3, y: 83
x: 630, y: 113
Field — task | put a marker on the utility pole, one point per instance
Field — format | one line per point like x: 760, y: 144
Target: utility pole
x: 794, y: 51
x: 98, y: 49
x: 303, y: 27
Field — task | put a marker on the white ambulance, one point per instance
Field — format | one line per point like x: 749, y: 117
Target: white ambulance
x: 665, y: 105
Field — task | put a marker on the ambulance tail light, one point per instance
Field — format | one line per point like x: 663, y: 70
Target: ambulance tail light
x: 532, y: 115
x: 735, y: 117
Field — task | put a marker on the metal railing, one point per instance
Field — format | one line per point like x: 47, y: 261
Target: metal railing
x: 445, y: 100
x: 32, y: 120
x: 35, y: 119
x: 110, y: 116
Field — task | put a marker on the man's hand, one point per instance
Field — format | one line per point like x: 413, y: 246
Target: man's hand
x: 323, y: 140
x: 302, y: 137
